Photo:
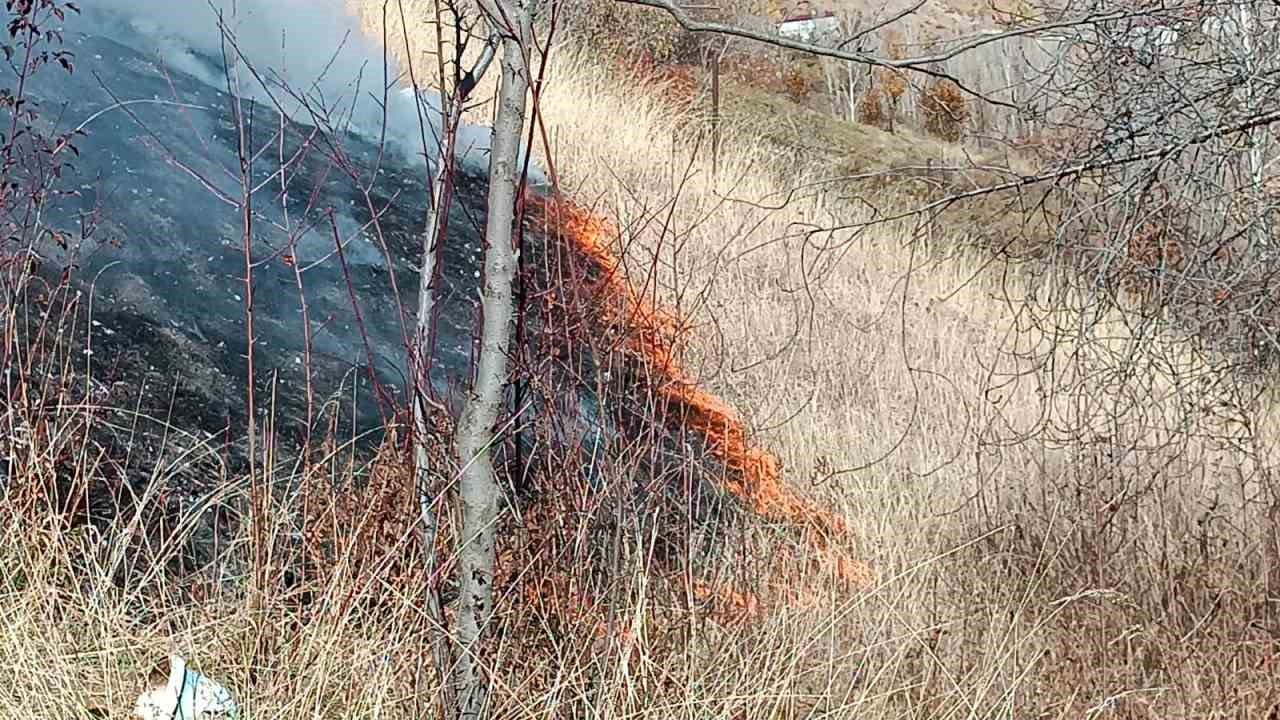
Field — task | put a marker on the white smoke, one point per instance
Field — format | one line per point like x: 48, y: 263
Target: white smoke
x: 314, y: 47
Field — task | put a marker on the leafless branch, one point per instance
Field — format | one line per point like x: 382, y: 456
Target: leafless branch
x: 918, y: 63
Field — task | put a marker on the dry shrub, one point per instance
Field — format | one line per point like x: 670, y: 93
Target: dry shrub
x: 1154, y: 251
x: 625, y: 32
x: 945, y: 112
x: 565, y: 563
x: 871, y: 110
x: 1011, y: 13
x: 893, y: 81
x: 362, y: 528
x: 797, y: 83
x: 678, y: 84
x: 1157, y: 255
x: 1143, y: 583
x: 1054, y: 145
x: 1271, y: 187
x: 894, y: 86
x: 745, y: 66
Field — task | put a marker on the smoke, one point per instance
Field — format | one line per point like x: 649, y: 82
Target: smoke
x: 313, y: 47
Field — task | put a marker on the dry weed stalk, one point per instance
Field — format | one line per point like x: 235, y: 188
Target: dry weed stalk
x: 362, y: 530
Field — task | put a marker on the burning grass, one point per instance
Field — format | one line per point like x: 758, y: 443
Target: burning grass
x: 655, y: 338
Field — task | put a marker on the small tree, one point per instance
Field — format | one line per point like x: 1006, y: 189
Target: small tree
x: 796, y: 82
x: 893, y: 81
x: 512, y: 23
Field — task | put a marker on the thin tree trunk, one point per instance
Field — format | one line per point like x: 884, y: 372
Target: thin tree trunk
x: 479, y: 490
x: 424, y: 472
x: 437, y: 213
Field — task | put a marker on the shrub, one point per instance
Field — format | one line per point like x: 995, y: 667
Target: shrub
x: 870, y: 109
x: 944, y: 109
x: 797, y: 83
x: 893, y: 86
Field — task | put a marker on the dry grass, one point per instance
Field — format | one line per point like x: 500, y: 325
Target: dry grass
x: 1083, y: 538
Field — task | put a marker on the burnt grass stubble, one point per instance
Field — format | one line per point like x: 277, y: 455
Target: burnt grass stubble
x: 158, y: 380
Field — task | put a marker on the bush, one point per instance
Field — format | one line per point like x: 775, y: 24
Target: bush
x: 894, y: 86
x: 870, y: 109
x: 798, y: 84
x: 945, y: 112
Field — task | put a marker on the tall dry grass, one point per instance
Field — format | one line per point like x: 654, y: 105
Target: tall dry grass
x: 1123, y: 479
x: 940, y: 398
x: 1063, y: 521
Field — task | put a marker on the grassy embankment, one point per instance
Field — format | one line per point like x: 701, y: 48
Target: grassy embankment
x: 1045, y: 539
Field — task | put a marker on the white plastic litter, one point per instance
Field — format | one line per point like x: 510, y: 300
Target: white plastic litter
x: 187, y: 695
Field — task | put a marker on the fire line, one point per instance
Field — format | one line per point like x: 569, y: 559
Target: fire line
x: 755, y: 474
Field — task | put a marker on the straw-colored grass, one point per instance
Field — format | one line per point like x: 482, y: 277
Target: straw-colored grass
x: 1042, y: 545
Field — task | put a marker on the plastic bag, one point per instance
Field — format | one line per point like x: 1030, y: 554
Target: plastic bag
x: 187, y: 695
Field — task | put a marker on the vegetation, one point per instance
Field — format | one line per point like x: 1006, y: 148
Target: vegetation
x: 945, y: 110
x: 1064, y: 492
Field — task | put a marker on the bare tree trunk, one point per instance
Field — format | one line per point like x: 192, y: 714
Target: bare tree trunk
x: 451, y: 107
x: 424, y: 470
x: 437, y: 212
x: 479, y: 490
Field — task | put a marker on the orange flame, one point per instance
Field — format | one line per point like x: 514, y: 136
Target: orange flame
x: 755, y: 474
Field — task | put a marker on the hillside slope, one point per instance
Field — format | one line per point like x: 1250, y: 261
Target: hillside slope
x: 1064, y: 517
x: 930, y: 404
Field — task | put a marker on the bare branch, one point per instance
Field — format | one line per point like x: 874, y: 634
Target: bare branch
x: 880, y: 25
x: 918, y: 64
